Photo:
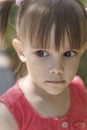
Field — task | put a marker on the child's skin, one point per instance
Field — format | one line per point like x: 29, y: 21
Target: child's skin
x: 49, y: 75
x: 46, y: 84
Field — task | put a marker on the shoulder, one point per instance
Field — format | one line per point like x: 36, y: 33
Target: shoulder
x: 12, y: 95
x: 79, y: 98
x: 79, y: 91
x: 7, y: 121
x: 10, y: 107
x: 78, y: 83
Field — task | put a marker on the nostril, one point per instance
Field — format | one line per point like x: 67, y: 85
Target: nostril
x: 56, y: 71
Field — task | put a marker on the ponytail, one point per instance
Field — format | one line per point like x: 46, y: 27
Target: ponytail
x: 5, y: 8
x: 18, y: 67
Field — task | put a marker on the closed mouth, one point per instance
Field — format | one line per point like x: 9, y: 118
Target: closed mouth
x: 56, y: 82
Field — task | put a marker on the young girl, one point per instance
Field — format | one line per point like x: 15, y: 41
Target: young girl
x: 51, y: 38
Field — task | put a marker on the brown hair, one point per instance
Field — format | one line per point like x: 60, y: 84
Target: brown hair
x: 35, y: 19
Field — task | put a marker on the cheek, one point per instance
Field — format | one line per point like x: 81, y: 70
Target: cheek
x: 73, y: 63
x: 72, y: 68
x: 37, y: 69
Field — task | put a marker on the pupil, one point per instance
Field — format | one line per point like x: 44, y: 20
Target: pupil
x: 41, y: 53
x: 68, y: 54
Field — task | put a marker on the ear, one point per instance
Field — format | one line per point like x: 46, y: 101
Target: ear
x: 18, y: 46
x: 86, y: 10
x: 84, y: 48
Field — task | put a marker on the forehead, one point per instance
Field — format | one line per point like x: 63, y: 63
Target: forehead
x: 69, y: 19
x: 51, y: 45
x: 64, y: 43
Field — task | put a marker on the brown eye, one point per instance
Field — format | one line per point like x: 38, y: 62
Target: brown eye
x: 70, y: 53
x: 41, y: 53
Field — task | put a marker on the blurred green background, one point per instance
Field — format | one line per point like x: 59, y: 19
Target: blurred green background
x: 11, y: 34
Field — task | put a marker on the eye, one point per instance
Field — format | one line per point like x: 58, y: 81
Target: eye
x: 70, y: 53
x: 41, y: 53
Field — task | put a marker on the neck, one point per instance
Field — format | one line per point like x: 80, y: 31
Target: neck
x: 46, y: 104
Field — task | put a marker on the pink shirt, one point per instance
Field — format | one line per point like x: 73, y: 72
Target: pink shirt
x: 28, y: 119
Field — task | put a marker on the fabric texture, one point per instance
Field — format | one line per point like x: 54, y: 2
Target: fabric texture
x: 28, y: 119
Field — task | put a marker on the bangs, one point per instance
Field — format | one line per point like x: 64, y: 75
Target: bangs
x: 67, y: 16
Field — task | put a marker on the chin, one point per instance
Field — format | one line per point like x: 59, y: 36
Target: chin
x: 53, y: 92
x: 56, y: 91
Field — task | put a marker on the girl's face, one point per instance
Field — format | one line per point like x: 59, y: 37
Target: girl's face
x: 50, y: 70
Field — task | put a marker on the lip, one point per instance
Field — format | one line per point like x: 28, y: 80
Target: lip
x: 56, y: 82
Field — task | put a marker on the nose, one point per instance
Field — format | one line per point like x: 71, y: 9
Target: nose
x: 56, y: 71
x: 57, y: 68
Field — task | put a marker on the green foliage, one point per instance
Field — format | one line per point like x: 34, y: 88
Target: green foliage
x: 82, y: 71
x: 11, y: 33
x: 84, y: 2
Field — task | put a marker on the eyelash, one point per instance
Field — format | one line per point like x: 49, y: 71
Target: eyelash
x: 70, y: 53
x: 42, y: 53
